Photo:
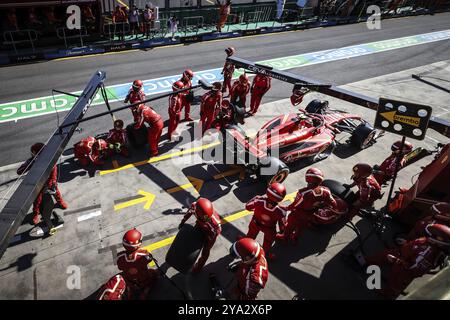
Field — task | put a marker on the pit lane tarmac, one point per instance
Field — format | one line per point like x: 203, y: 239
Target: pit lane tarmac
x: 136, y: 192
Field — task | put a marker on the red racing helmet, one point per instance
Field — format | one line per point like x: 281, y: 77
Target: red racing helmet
x: 216, y: 86
x: 36, y: 148
x: 203, y: 209
x: 276, y: 192
x: 247, y: 249
x: 407, y: 147
x: 132, y: 240
x: 441, y: 211
x: 118, y: 124
x: 100, y: 145
x: 137, y: 85
x: 439, y: 235
x: 314, y: 176
x: 230, y: 51
x: 188, y: 73
x: 243, y: 78
x: 361, y: 171
x: 178, y: 85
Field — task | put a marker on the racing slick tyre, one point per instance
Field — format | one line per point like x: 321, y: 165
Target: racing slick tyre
x: 272, y: 170
x: 137, y: 138
x: 185, y: 249
x: 337, y: 189
x: 363, y: 136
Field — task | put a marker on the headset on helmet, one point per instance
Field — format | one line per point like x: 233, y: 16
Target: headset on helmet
x: 247, y: 249
x: 137, y: 85
x: 276, y: 192
x: 203, y: 209
x: 178, y: 85
x: 132, y: 240
x: 361, y: 171
x: 314, y: 176
x: 188, y: 73
x: 439, y: 235
x: 317, y: 106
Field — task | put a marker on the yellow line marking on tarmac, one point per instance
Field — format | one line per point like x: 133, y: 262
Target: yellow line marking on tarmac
x: 162, y: 157
x: 195, y: 183
x: 147, y: 197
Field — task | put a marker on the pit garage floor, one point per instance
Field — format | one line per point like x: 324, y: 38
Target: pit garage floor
x: 104, y: 203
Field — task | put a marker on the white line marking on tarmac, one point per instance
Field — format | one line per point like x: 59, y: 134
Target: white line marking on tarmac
x: 89, y: 215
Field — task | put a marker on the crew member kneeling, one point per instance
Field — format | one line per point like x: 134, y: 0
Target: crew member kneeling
x: 90, y: 150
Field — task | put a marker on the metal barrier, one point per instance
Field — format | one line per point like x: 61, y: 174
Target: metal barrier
x: 199, y: 23
x: 15, y: 38
x: 253, y: 17
x: 116, y: 29
x: 67, y: 34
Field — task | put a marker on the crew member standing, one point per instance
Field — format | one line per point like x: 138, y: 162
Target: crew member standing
x: 188, y: 96
x: 227, y: 71
x: 266, y: 215
x: 252, y: 272
x: 210, y: 103
x: 147, y: 114
x: 175, y: 106
x: 135, y: 94
x: 224, y: 11
x: 260, y: 85
x: 134, y: 264
x: 117, y: 139
x: 239, y: 90
x: 51, y: 184
x: 208, y: 221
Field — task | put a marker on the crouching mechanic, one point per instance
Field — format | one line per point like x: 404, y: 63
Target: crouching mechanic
x: 90, y: 150
x: 208, y: 221
x: 306, y: 204
x: 251, y: 271
x: 414, y: 259
x: 117, y: 139
x: 114, y: 289
x: 51, y: 184
x: 266, y: 215
x: 147, y: 114
x: 134, y: 264
x: 386, y: 170
x: 368, y: 188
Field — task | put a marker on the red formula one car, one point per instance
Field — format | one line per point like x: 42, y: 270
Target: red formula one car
x: 309, y: 133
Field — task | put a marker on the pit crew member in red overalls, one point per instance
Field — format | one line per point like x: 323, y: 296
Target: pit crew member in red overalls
x: 385, y: 172
x: 307, y: 202
x: 368, y: 188
x: 227, y: 71
x: 208, y: 221
x: 51, y: 184
x: 252, y: 271
x: 117, y: 139
x: 114, y: 289
x: 239, y: 90
x: 134, y: 264
x: 90, y: 150
x: 175, y: 106
x: 260, y: 85
x: 210, y: 103
x: 135, y: 94
x: 187, y: 96
x: 147, y: 114
x: 266, y: 215
x: 414, y: 259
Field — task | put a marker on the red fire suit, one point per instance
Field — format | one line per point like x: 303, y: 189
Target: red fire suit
x: 252, y: 278
x: 147, y: 114
x: 419, y: 228
x: 306, y: 203
x: 266, y: 216
x: 185, y: 102
x: 134, y: 97
x: 136, y: 271
x: 175, y: 106
x: 239, y: 90
x: 210, y: 103
x: 118, y: 136
x: 52, y: 183
x: 114, y: 289
x: 211, y: 229
x: 224, y: 115
x: 86, y: 154
x: 227, y: 71
x: 414, y: 259
x: 387, y: 169
x: 261, y: 84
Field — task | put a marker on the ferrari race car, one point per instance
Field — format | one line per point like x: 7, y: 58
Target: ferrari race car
x: 307, y: 134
